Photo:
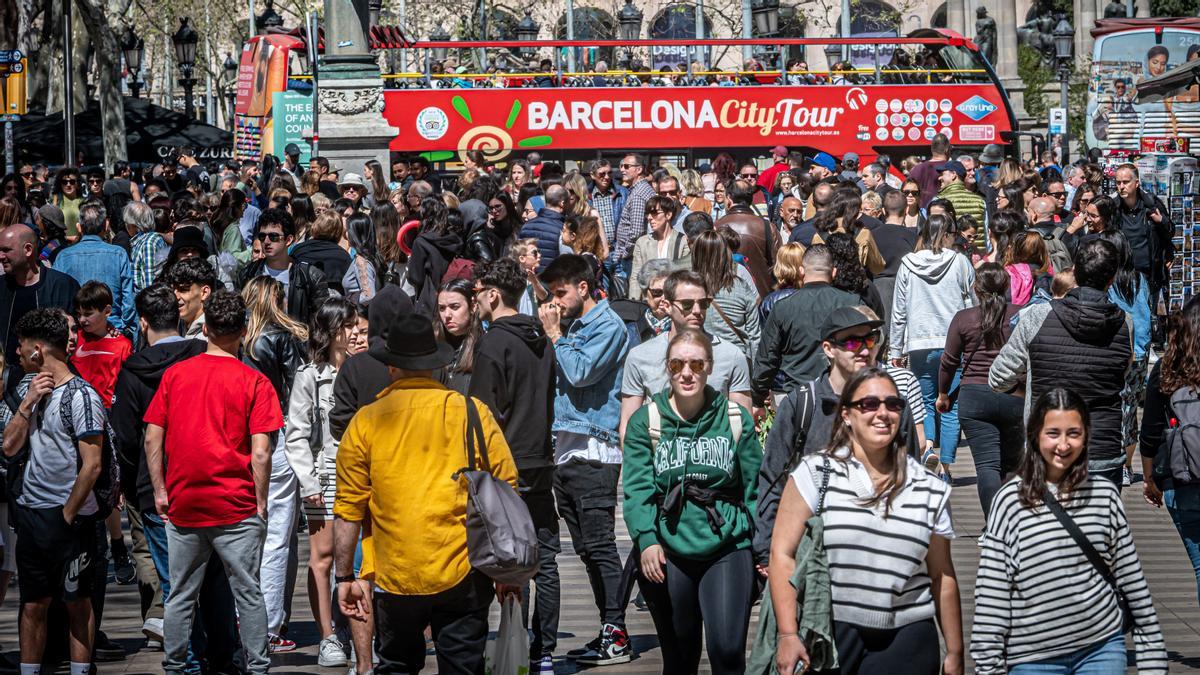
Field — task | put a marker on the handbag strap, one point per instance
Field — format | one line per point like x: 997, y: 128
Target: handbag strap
x: 1072, y: 529
x: 475, y: 440
x: 741, y: 334
x: 824, y: 484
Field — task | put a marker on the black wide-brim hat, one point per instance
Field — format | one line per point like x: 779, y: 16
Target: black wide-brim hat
x: 410, y: 345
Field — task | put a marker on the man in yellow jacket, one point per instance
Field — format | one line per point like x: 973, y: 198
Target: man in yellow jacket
x: 395, y: 466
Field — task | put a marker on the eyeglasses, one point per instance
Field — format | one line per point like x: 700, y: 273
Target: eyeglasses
x: 686, y: 306
x: 675, y: 366
x: 655, y: 292
x: 1056, y: 195
x: 912, y: 193
x: 871, y: 404
x: 630, y: 166
x: 669, y: 193
x: 1084, y: 201
x: 856, y: 343
x: 495, y: 207
x: 274, y: 237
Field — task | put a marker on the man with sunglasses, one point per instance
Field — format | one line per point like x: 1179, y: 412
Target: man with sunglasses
x: 1057, y: 190
x: 645, y: 368
x: 850, y: 341
x: 631, y: 223
x: 304, y: 285
x: 26, y: 173
x: 668, y: 187
x: 606, y: 196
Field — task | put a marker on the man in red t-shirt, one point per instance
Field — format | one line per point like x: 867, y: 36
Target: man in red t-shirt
x: 208, y: 449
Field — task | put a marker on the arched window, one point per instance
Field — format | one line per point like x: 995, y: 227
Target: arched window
x: 591, y: 23
x: 872, y: 16
x: 675, y: 22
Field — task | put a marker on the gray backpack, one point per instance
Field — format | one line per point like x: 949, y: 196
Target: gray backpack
x: 501, y: 539
x: 1179, y: 457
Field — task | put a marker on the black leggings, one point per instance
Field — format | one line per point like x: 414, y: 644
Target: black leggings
x: 907, y: 650
x: 715, y: 595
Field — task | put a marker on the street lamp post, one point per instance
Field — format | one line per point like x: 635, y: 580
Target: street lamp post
x: 766, y: 21
x: 1064, y: 44
x: 439, y: 34
x: 630, y: 20
x: 527, y: 32
x: 185, y: 40
x: 833, y: 54
x: 231, y: 77
x: 134, y: 48
x: 268, y: 19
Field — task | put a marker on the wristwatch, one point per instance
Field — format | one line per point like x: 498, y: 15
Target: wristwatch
x: 344, y: 579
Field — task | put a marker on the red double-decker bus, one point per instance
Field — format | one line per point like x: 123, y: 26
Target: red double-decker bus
x: 907, y: 90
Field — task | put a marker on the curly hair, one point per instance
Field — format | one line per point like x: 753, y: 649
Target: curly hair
x: 1181, y: 362
x: 851, y: 275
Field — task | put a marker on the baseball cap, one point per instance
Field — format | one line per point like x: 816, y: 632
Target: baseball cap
x: 850, y: 159
x: 847, y: 317
x: 291, y: 150
x: 825, y: 160
x: 953, y: 165
x: 779, y: 151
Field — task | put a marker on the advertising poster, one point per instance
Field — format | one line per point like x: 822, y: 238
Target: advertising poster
x: 291, y: 116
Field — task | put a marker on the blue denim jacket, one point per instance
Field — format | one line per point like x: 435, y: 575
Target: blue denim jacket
x: 591, y: 358
x: 90, y: 259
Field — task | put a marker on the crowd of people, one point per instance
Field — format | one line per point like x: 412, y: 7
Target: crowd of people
x: 770, y: 366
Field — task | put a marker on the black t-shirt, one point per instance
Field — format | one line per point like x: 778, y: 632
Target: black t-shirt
x: 894, y: 242
x: 24, y: 300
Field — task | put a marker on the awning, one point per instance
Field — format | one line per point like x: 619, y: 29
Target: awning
x: 1171, y: 83
x: 151, y: 133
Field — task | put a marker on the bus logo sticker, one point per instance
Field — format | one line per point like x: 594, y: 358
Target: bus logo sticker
x: 981, y: 133
x: 898, y: 134
x: 944, y: 105
x: 432, y: 123
x: 931, y: 119
x: 947, y: 132
x: 856, y: 98
x: 910, y: 106
x: 895, y: 119
x: 918, y: 120
x: 929, y: 132
x: 881, y: 105
x: 904, y: 119
x: 976, y: 107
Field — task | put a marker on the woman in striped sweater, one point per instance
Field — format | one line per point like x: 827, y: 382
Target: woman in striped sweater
x: 887, y: 535
x: 1040, y: 605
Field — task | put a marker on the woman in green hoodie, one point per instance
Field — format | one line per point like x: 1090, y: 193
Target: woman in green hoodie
x: 691, y: 458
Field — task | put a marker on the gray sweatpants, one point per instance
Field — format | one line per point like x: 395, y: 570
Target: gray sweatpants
x: 239, y: 546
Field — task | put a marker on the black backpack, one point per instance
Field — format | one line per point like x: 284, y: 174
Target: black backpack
x: 1179, y: 457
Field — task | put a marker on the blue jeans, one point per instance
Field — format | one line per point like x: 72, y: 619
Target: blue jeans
x: 1183, y: 503
x: 940, y: 428
x: 1102, y: 658
x: 214, y: 635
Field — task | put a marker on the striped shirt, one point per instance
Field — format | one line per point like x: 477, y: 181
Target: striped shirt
x: 910, y: 389
x: 632, y: 223
x: 877, y: 568
x: 1038, y: 597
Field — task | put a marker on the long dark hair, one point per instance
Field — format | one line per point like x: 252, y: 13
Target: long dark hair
x: 360, y: 232
x: 846, y: 208
x: 839, y: 438
x: 379, y: 184
x: 851, y: 275
x: 713, y: 261
x: 1033, y: 466
x: 233, y: 202
x: 329, y: 318
x: 932, y: 234
x: 1127, y: 281
x: 1015, y: 194
x: 465, y: 362
x: 1004, y: 227
x: 1181, y: 361
x: 991, y: 288
x: 386, y: 220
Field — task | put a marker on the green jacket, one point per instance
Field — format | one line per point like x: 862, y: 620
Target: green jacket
x: 966, y: 203
x: 704, y: 451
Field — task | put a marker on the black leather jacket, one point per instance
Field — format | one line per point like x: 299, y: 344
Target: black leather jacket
x: 277, y: 354
x: 307, y: 288
x: 483, y: 244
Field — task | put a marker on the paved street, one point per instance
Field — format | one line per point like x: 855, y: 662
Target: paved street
x: 1171, y: 582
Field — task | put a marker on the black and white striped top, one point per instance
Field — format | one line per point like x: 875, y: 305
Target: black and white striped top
x: 1038, y: 597
x: 877, y: 562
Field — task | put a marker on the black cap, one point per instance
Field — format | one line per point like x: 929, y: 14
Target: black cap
x: 953, y: 165
x: 291, y: 150
x: 846, y: 317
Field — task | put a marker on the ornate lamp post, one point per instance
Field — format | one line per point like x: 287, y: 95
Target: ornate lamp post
x: 134, y: 48
x: 1064, y: 45
x: 231, y: 77
x: 833, y: 54
x: 268, y: 19
x: 439, y: 34
x: 630, y: 21
x: 185, y: 40
x: 766, y: 17
x: 527, y: 32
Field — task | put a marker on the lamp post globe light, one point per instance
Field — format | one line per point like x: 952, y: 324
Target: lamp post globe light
x: 833, y: 54
x: 185, y: 40
x: 629, y: 20
x: 766, y: 17
x: 1064, y: 44
x: 133, y: 47
x: 231, y: 77
x: 527, y: 32
x: 268, y: 19
x: 439, y: 34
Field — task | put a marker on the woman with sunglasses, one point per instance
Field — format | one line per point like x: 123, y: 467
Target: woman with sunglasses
x: 887, y: 534
x: 1033, y: 573
x: 1084, y: 195
x: 914, y: 215
x: 68, y: 196
x: 991, y: 421
x: 1098, y: 215
x: 662, y: 240
x: 691, y: 461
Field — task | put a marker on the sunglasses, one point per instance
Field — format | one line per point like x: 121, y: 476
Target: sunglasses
x: 856, y: 343
x: 675, y: 366
x: 535, y: 253
x: 655, y: 292
x: 69, y: 181
x: 669, y: 193
x: 274, y: 237
x: 871, y: 404
x: 655, y: 212
x: 26, y: 174
x: 912, y: 193
x: 606, y: 174
x: 95, y: 180
x: 749, y: 175
x: 1057, y: 194
x: 1085, y: 202
x: 686, y: 306
x: 629, y: 166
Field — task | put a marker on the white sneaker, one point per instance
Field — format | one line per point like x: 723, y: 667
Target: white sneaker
x: 331, y: 653
x: 153, y: 629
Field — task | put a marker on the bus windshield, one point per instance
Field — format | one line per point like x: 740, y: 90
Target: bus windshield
x: 1122, y: 59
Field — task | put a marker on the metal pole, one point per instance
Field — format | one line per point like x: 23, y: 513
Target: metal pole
x: 68, y: 89
x: 1064, y: 74
x: 571, y: 35
x: 210, y: 114
x: 1129, y: 9
x: 312, y: 58
x: 8, y: 148
x: 252, y: 33
x: 747, y: 31
x: 404, y: 27
x: 845, y: 28
x: 701, y: 51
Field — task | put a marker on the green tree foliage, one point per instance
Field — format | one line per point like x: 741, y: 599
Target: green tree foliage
x: 1175, y: 7
x: 1035, y: 77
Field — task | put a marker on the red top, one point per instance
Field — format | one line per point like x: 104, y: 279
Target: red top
x: 210, y: 406
x: 98, y: 360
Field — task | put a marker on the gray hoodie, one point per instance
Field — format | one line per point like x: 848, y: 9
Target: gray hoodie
x: 930, y: 289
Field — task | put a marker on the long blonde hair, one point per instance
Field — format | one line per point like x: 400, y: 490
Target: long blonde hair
x: 576, y: 184
x: 264, y: 303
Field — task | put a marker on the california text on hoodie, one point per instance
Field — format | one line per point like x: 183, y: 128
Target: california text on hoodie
x: 361, y: 377
x: 515, y: 376
x: 1046, y: 349
x: 930, y: 289
x: 136, y: 385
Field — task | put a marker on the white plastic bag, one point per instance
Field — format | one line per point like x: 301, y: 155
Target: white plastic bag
x: 508, y: 654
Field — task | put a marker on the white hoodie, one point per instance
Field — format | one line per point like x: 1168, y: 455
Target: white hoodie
x: 930, y: 289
